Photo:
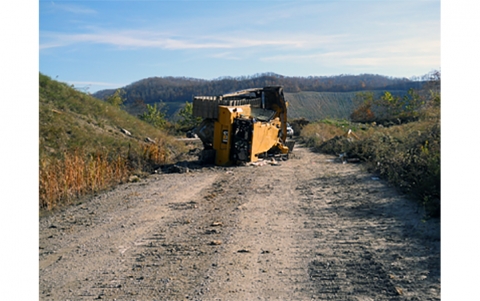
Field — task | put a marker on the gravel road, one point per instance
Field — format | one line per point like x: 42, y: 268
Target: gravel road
x: 308, y: 228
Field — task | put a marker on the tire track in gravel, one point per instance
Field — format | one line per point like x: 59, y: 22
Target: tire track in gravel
x: 370, y: 243
x: 264, y: 257
x: 82, y: 245
x: 306, y: 229
x: 319, y: 230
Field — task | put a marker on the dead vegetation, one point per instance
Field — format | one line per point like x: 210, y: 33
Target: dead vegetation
x: 87, y: 145
x: 74, y: 175
x: 406, y: 154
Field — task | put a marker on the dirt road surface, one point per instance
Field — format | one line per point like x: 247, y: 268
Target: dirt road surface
x: 305, y: 229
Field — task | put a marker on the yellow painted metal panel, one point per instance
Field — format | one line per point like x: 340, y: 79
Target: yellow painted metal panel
x: 265, y: 136
x: 223, y: 130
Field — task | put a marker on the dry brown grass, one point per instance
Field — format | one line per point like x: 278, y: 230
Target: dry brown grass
x: 317, y: 133
x: 62, y: 180
x: 75, y: 174
x: 154, y: 153
x: 82, y: 149
x: 407, y: 155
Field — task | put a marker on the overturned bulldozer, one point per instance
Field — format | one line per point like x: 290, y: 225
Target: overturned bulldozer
x: 243, y: 126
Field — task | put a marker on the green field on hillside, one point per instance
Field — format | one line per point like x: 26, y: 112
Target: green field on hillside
x: 322, y: 105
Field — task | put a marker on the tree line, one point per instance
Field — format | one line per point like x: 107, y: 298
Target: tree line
x: 181, y: 89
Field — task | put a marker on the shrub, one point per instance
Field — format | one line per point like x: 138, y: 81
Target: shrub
x: 153, y: 116
x: 187, y: 120
x: 117, y: 98
x: 408, y: 155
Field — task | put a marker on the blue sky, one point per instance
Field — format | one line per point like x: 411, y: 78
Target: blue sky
x: 96, y: 45
x: 117, y: 42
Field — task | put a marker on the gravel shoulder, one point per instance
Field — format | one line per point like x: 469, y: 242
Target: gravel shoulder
x: 305, y: 229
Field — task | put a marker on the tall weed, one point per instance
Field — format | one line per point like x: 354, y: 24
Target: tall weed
x: 76, y: 173
x: 407, y: 155
x: 67, y: 178
x: 83, y: 148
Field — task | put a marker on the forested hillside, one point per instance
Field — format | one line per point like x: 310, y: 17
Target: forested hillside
x: 319, y: 97
x: 181, y: 89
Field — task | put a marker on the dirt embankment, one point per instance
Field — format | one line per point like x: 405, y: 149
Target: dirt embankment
x: 306, y: 229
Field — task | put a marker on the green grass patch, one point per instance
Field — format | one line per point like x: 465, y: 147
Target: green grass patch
x: 84, y: 148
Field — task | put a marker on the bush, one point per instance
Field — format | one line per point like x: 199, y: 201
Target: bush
x: 117, y: 99
x: 154, y: 116
x: 187, y: 120
x: 408, y: 155
x: 387, y: 109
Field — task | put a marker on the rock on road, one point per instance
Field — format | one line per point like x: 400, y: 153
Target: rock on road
x: 305, y: 229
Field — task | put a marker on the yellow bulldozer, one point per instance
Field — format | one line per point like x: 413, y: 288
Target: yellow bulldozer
x: 243, y: 126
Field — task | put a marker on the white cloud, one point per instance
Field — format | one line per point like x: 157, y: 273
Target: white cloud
x: 226, y: 56
x: 51, y: 45
x: 92, y: 83
x: 149, y: 39
x: 72, y: 8
x: 94, y: 86
x: 407, y: 51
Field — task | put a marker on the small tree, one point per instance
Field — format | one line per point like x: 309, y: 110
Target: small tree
x: 433, y: 86
x: 188, y: 121
x: 393, y: 105
x: 117, y: 99
x: 363, y: 111
x: 154, y: 116
x: 413, y: 102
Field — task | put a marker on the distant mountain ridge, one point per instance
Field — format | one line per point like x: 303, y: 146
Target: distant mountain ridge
x: 175, y: 91
x: 181, y: 89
